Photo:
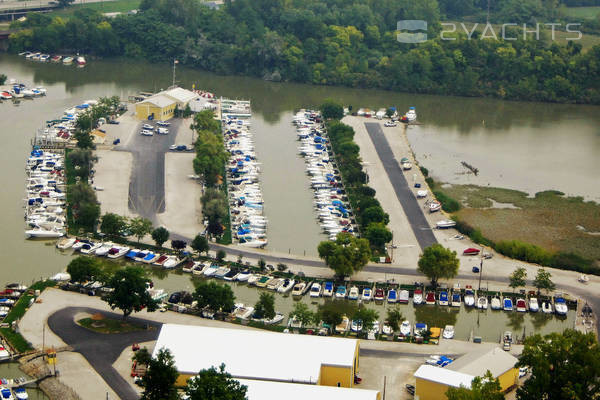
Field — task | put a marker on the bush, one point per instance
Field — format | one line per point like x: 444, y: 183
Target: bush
x: 524, y: 251
x: 424, y: 171
x: 573, y: 262
x: 448, y: 203
x: 430, y: 182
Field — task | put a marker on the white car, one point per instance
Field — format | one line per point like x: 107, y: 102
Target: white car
x: 148, y: 127
x: 146, y: 132
x: 173, y: 147
x: 162, y: 131
x: 163, y: 123
x: 390, y: 124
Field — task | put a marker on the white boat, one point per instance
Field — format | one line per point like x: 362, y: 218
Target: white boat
x: 583, y: 278
x: 316, y: 290
x: 495, y: 304
x: 275, y: 320
x: 103, y: 249
x: 373, y: 330
x: 43, y: 233
x: 294, y: 322
x: 67, y: 60
x: 421, y: 194
x: 435, y: 206
x: 469, y: 297
x: 547, y: 307
x: 242, y: 312
x: 367, y: 294
x: 560, y: 306
x: 20, y: 393
x: 405, y: 328
x: 6, y: 394
x: 80, y: 60
x: 533, y: 305
x: 356, y: 325
x: 298, y: 289
x: 406, y: 166
x: 411, y: 114
x: 287, y: 285
x: 353, y: 293
x: 482, y: 303
x: 65, y: 243
x: 171, y: 262
x: 418, y: 297
x: 387, y: 330
x: 403, y: 296
x: 328, y: 289
x: 243, y: 276
x: 117, y: 252
x: 448, y: 332
x: 446, y: 223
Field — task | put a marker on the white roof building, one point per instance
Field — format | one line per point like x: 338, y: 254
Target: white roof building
x: 476, y: 363
x: 263, y: 390
x: 159, y: 100
x: 444, y: 376
x: 180, y: 95
x: 255, y: 354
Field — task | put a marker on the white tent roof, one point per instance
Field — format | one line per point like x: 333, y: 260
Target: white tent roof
x: 254, y: 354
x: 158, y: 100
x: 180, y: 95
x: 262, y: 390
x: 444, y: 376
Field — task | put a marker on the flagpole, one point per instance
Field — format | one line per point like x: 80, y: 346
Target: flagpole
x: 174, y: 63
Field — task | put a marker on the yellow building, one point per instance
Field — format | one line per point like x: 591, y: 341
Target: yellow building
x: 264, y: 390
x: 433, y: 382
x: 158, y: 107
x: 261, y: 355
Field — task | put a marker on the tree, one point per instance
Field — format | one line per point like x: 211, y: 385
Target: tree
x: 140, y: 227
x: 178, y: 244
x: 330, y: 109
x: 84, y: 205
x: 200, y: 244
x: 281, y: 267
x: 265, y: 307
x: 84, y: 139
x: 482, y: 388
x: 64, y: 3
x: 161, y: 375
x: 518, y: 278
x: 394, y: 318
x: 211, y: 384
x: 542, y: 281
x: 214, y: 209
x: 221, y: 255
x: 142, y: 356
x: 390, y: 112
x: 83, y: 269
x: 563, y: 366
x: 367, y: 316
x: 129, y: 291
x: 3, y: 79
x: 113, y: 224
x: 302, y: 313
x: 160, y: 235
x: 262, y: 263
x: 347, y: 255
x: 378, y: 235
x: 330, y: 314
x: 438, y: 262
x: 214, y: 296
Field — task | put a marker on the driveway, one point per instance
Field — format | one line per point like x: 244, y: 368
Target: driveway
x: 101, y: 350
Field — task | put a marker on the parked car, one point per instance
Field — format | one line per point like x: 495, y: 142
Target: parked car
x: 113, y: 122
x: 173, y: 147
x: 162, y: 131
x: 146, y: 132
x: 390, y: 124
x: 148, y: 127
x: 476, y: 270
x: 163, y: 123
x: 410, y: 389
x: 181, y: 147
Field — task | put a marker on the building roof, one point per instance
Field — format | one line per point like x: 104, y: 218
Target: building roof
x: 477, y: 363
x: 159, y: 100
x: 180, y: 95
x: 254, y: 354
x: 444, y: 376
x: 261, y: 390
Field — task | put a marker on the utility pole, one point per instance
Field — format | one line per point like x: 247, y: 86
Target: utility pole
x: 480, y: 269
x: 174, y: 64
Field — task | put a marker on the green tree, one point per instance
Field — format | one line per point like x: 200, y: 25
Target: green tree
x: 178, y: 244
x: 367, y: 316
x: 205, y: 121
x: 129, y: 291
x: 330, y: 109
x: 518, y: 278
x: 378, y: 235
x: 394, y: 318
x: 161, y: 375
x: 265, y: 307
x: 200, y: 244
x: 213, y: 384
x: 303, y: 314
x: 160, y: 235
x: 543, y: 281
x: 221, y: 255
x: 563, y: 366
x: 438, y: 262
x: 330, y: 313
x: 64, y: 3
x: 84, y: 139
x: 389, y: 112
x: 113, y: 224
x: 84, y: 205
x: 214, y: 296
x: 347, y: 255
x: 142, y: 356
x: 214, y: 209
x: 482, y: 388
x: 3, y: 79
x: 83, y: 269
x: 262, y: 263
x: 140, y: 227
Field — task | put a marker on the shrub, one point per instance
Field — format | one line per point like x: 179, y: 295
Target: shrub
x: 524, y: 251
x: 448, y: 203
x: 424, y: 171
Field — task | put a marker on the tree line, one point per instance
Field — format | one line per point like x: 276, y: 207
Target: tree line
x: 334, y: 42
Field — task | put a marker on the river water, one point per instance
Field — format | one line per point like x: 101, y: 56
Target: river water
x: 527, y: 146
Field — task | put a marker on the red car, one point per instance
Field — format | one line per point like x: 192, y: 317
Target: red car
x: 471, y: 251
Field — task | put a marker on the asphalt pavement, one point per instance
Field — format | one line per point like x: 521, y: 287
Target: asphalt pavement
x: 99, y: 349
x: 413, y: 211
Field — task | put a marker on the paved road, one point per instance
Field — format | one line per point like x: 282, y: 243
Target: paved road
x: 147, y: 185
x: 411, y: 207
x: 101, y: 350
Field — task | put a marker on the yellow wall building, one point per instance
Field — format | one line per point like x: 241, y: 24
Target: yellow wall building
x: 433, y: 382
x: 157, y: 107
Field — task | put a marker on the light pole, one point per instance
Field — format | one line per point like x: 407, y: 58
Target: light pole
x: 480, y: 269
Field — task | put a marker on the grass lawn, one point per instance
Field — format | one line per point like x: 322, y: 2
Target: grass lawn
x: 582, y: 12
x: 109, y: 325
x: 549, y: 220
x: 105, y: 6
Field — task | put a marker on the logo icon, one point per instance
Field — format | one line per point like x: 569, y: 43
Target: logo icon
x: 411, y: 25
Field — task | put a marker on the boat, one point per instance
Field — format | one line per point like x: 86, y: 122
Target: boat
x: 44, y: 57
x: 430, y: 298
x: 20, y: 393
x: 80, y: 60
x: 418, y: 297
x: 405, y: 328
x: 411, y: 114
x: 188, y: 266
x: 287, y: 285
x: 171, y: 262
x: 495, y: 304
x: 448, y: 332
x: 6, y: 394
x: 420, y: 329
x: 243, y: 276
x: 547, y: 307
x: 67, y: 60
x: 471, y: 251
x: 406, y: 166
x: 65, y: 243
x: 367, y: 294
x: 521, y: 305
x: 5, y: 95
x: 507, y: 304
x: 43, y: 233
x: 272, y: 284
x: 356, y: 325
x: 117, y: 252
x: 482, y: 302
x: 151, y: 257
x: 103, y: 249
x: 456, y: 301
x: 242, y: 312
x: 56, y: 58
x: 198, y: 269
x: 392, y: 296
x: 373, y: 330
x: 294, y: 323
x: 443, y: 298
x: 275, y: 320
x: 379, y: 294
x: 343, y: 326
x: 340, y: 292
x: 403, y: 297
x: 469, y: 297
x: 421, y: 194
x: 583, y: 278
x: 210, y: 271
x: 435, y: 206
x: 387, y: 329
x: 328, y: 289
x: 298, y: 289
x: 533, y: 304
x: 446, y: 223
x: 507, y: 337
x: 560, y: 306
x: 353, y: 293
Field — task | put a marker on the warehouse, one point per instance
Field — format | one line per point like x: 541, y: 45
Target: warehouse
x: 157, y: 107
x: 433, y: 382
x: 261, y: 390
x: 269, y: 356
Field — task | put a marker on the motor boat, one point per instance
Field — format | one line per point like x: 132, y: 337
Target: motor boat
x: 421, y: 194
x: 353, y: 293
x: 448, y: 332
x: 356, y: 325
x: 151, y: 257
x: 379, y: 294
x: 275, y: 320
x: 242, y: 276
x: 340, y: 292
x: 294, y: 322
x: 103, y: 249
x: 328, y: 289
x: 495, y: 303
x: 411, y: 114
x: 471, y: 251
x: 117, y: 252
x: 298, y: 289
x: 420, y: 329
x: 80, y: 60
x: 456, y: 300
x: 367, y: 294
x: 405, y: 328
x: 344, y: 325
x: 65, y: 243
x: 560, y: 306
x: 446, y: 223
x: 435, y: 206
x: 430, y: 298
x: 521, y: 305
x: 242, y: 312
x: 171, y: 262
x: 469, y: 297
x: 418, y: 297
x: 387, y: 330
x: 67, y: 60
x: 20, y: 393
x: 316, y: 290
x: 482, y: 302
x: 547, y: 307
x: 43, y: 233
x: 272, y: 284
x: 392, y: 296
x: 443, y: 298
x: 287, y: 285
x: 6, y: 394
x: 533, y: 304
x: 507, y: 304
x: 198, y: 269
